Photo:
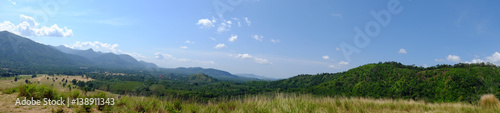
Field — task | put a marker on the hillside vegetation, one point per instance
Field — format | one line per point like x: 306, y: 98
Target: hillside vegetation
x: 273, y: 102
x: 378, y: 87
x: 441, y: 83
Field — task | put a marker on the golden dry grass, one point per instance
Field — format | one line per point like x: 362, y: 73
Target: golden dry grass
x: 489, y: 101
x: 278, y: 103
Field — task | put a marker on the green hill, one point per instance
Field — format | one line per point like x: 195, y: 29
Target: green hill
x: 20, y: 52
x: 217, y: 74
x: 200, y: 78
x: 441, y: 83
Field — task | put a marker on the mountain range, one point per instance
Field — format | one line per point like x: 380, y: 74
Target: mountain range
x: 107, y: 59
x: 18, y: 52
x: 255, y: 76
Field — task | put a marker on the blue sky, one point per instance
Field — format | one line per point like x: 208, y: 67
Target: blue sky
x: 273, y: 38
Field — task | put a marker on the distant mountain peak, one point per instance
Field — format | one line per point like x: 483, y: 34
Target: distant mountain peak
x: 107, y: 59
x: 90, y: 50
x: 18, y: 51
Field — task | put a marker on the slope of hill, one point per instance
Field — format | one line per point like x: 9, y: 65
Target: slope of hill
x: 108, y: 59
x: 255, y: 76
x: 217, y: 74
x: 20, y: 52
x: 123, y: 60
x: 303, y: 83
x: 200, y: 78
x: 442, y: 83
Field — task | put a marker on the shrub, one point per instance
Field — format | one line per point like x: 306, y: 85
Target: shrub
x: 74, y: 94
x: 177, y: 105
x: 101, y: 95
x: 9, y: 91
x: 37, y: 92
x: 489, y: 100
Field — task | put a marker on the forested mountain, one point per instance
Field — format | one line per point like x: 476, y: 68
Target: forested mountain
x: 217, y: 74
x: 255, y: 76
x: 200, y: 78
x: 20, y: 52
x: 441, y: 83
x: 24, y: 56
x: 107, y: 59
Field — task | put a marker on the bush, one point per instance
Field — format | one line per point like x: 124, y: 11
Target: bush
x: 489, y: 100
x: 37, y: 92
x: 101, y: 95
x: 74, y: 94
x: 9, y: 91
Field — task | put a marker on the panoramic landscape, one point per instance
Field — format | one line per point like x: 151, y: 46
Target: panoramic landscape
x: 358, y: 56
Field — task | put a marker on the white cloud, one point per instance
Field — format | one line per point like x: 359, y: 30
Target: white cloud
x: 233, y: 38
x: 261, y: 61
x: 453, y: 58
x: 183, y: 47
x: 275, y: 40
x: 326, y: 57
x: 103, y: 47
x: 205, y: 23
x: 338, y: 49
x: 116, y: 21
x: 258, y: 37
x: 137, y: 56
x: 214, y: 20
x: 425, y: 66
x: 495, y: 58
x: 402, y: 51
x: 248, y: 21
x: 255, y: 59
x: 96, y: 46
x: 475, y: 61
x: 161, y: 56
x: 338, y: 65
x: 224, y: 26
x: 237, y: 21
x: 219, y: 46
x: 8, y: 26
x: 29, y: 27
x: 343, y: 63
x: 244, y: 56
x: 164, y: 56
x: 188, y: 42
x: 439, y: 60
x: 211, y: 38
x: 13, y: 3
